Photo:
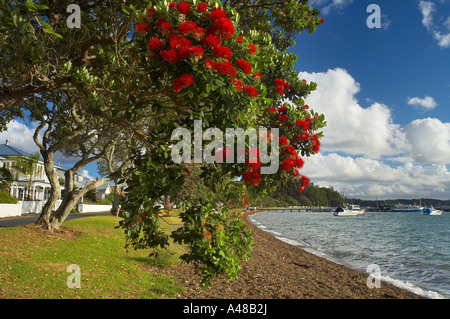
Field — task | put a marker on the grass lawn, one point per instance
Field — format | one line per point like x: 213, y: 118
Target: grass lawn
x: 34, y: 263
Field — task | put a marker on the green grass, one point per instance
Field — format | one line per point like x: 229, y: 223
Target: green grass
x: 34, y: 263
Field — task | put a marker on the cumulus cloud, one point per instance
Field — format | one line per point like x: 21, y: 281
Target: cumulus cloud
x: 366, y: 155
x: 370, y: 179
x: 428, y: 9
x: 427, y: 103
x: 429, y: 140
x: 351, y: 128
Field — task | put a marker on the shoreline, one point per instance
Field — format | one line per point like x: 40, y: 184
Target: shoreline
x: 278, y: 270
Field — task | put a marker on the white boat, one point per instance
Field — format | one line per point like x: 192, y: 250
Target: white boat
x: 356, y: 208
x: 432, y: 211
x: 344, y: 211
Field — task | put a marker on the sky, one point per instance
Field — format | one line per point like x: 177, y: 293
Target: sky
x: 385, y: 93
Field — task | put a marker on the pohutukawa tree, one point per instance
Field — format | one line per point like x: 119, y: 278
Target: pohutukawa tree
x: 220, y: 64
x: 202, y: 66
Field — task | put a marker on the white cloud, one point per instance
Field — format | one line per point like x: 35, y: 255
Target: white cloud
x: 328, y: 5
x: 429, y: 141
x: 351, y: 128
x: 85, y: 174
x: 428, y: 9
x: 370, y: 179
x: 427, y: 103
x: 20, y: 136
x: 366, y: 155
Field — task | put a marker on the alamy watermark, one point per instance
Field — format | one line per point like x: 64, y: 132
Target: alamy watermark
x: 74, y: 280
x: 373, y: 281
x: 182, y: 151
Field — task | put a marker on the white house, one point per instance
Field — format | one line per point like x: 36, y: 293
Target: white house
x: 41, y: 185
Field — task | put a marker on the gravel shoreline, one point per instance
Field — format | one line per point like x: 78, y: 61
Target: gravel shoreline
x: 277, y: 270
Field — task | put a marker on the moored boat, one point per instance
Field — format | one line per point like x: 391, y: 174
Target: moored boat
x: 344, y: 211
x: 432, y: 211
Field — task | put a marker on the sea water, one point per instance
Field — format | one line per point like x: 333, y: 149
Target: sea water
x: 411, y: 250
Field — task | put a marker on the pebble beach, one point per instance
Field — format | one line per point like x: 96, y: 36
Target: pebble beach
x: 277, y: 270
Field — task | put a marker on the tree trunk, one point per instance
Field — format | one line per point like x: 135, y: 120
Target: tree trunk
x: 44, y: 218
x: 115, y: 206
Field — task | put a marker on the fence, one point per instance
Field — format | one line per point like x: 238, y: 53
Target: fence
x: 23, y: 207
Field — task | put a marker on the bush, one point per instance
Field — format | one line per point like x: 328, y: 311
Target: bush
x: 5, y: 198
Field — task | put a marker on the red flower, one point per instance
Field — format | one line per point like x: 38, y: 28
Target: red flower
x: 222, y: 52
x: 217, y: 14
x: 225, y: 67
x: 272, y: 111
x: 165, y: 26
x: 299, y: 162
x: 210, y: 64
x: 295, y: 173
x: 154, y: 44
x: 172, y: 5
x: 322, y: 21
x: 279, y: 89
x: 304, y: 136
x: 316, y: 144
x: 238, y: 84
x: 186, y: 170
x: 254, y: 163
x: 252, y: 48
x: 258, y: 76
x: 141, y: 27
x: 225, y: 27
x: 202, y: 7
x: 212, y: 41
x: 250, y: 91
x: 187, y: 27
x: 290, y: 150
x: 252, y: 177
x: 183, y: 8
x: 244, y: 66
x: 183, y: 82
x: 283, y: 141
x: 287, y: 164
x: 303, y: 124
x: 240, y: 38
x: 304, y: 181
x: 170, y: 56
x: 197, y: 51
x: 283, y: 117
x: 151, y: 11
x: 282, y: 109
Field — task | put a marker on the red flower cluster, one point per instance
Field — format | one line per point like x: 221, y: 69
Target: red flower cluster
x: 183, y: 8
x: 186, y: 40
x: 244, y: 66
x: 304, y: 181
x: 281, y: 85
x: 183, y: 82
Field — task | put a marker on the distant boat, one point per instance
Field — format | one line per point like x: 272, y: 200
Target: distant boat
x: 358, y: 209
x: 432, y: 211
x: 344, y: 211
x: 407, y: 209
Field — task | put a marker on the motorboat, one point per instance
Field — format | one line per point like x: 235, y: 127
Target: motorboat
x: 344, y: 211
x: 358, y: 209
x: 432, y: 211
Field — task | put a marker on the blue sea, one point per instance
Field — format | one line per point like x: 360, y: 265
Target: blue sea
x: 411, y: 250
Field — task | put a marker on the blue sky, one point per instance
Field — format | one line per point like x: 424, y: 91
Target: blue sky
x: 385, y: 93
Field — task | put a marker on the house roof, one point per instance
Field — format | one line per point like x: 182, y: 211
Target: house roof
x: 8, y: 151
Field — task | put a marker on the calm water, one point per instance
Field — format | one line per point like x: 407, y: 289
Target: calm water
x: 412, y: 250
